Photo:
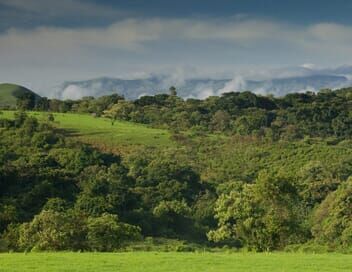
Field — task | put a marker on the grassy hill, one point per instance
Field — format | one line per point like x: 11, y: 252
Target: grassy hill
x: 8, y: 94
x: 102, y: 133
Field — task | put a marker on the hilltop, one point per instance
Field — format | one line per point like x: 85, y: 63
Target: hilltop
x: 10, y: 92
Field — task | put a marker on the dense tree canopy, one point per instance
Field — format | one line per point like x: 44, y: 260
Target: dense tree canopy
x: 245, y: 170
x: 321, y: 114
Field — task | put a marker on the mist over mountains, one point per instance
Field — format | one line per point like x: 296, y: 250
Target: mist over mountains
x: 276, y: 82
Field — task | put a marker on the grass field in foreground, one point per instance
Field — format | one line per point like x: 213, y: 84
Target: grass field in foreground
x: 175, y: 262
x: 100, y: 131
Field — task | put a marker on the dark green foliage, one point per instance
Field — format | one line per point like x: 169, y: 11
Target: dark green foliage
x: 69, y: 230
x: 291, y: 117
x: 273, y: 175
x: 104, y: 189
x: 25, y: 100
x: 106, y: 233
x: 332, y: 220
x: 264, y: 216
x: 166, y: 191
x: 55, y: 192
x: 322, y: 114
x: 41, y: 177
x: 51, y: 230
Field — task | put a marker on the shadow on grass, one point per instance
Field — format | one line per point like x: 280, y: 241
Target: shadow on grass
x: 70, y: 132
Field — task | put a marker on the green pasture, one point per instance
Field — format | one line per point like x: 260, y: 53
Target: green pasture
x: 175, y: 262
x: 102, y: 132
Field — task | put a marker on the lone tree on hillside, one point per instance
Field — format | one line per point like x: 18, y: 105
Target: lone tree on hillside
x: 172, y: 91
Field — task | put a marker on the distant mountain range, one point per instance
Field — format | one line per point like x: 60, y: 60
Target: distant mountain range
x: 279, y: 82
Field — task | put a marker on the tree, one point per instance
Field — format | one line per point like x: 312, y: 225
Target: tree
x: 174, y: 215
x: 8, y: 214
x: 332, y: 224
x: 165, y: 189
x: 121, y: 110
x: 52, y: 230
x: 220, y: 121
x: 25, y: 100
x: 20, y: 118
x: 173, y: 91
x: 30, y: 125
x: 105, y: 189
x: 316, y: 183
x: 239, y: 218
x: 106, y: 233
x: 51, y: 117
x: 264, y: 216
x: 43, y: 104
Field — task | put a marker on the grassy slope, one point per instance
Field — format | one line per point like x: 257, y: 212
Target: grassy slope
x: 176, y: 262
x: 100, y: 131
x: 6, y: 97
x: 6, y: 94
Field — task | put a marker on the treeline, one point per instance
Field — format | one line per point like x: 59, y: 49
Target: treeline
x: 294, y: 116
x: 57, y: 194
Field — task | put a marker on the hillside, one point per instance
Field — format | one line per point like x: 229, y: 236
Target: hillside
x: 101, y: 133
x: 9, y: 92
x: 241, y: 170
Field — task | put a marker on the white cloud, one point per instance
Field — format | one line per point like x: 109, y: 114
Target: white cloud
x: 308, y: 65
x: 74, y: 92
x: 205, y: 93
x: 237, y: 84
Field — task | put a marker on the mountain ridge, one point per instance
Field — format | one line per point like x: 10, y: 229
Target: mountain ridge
x: 198, y: 87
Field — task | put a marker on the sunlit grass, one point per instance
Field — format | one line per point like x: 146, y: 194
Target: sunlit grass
x: 176, y: 262
x: 101, y: 131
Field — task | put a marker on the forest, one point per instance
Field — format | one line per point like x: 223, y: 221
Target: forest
x: 245, y: 171
x: 322, y: 114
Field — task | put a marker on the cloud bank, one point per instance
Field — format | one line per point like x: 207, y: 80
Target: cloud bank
x: 45, y: 56
x: 134, y: 34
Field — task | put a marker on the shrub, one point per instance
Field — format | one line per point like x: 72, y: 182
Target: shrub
x: 52, y: 230
x: 106, y: 233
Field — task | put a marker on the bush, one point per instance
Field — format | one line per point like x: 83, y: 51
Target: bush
x: 309, y: 247
x: 3, y: 246
x: 10, y: 237
x: 164, y: 245
x: 52, y: 230
x: 106, y: 233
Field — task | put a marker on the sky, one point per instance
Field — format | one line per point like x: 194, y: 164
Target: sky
x: 46, y: 42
